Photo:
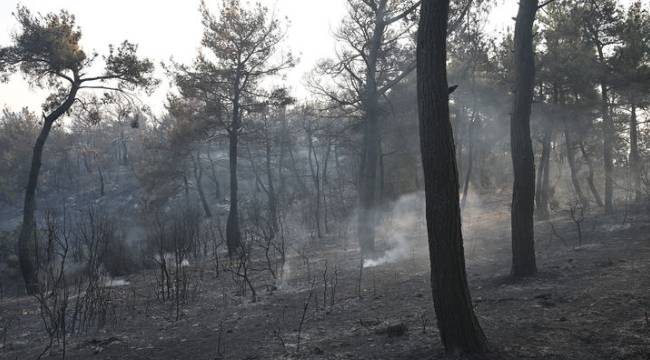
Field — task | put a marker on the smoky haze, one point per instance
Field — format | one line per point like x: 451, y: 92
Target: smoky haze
x: 367, y: 179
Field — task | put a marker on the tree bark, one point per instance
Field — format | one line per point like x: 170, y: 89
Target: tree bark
x: 459, y: 327
x: 523, y: 192
x: 27, y: 237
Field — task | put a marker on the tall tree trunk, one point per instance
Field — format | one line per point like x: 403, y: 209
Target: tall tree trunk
x: 608, y: 130
x: 523, y: 161
x: 590, y: 175
x: 315, y: 176
x: 544, y: 174
x: 635, y: 160
x: 571, y: 159
x: 371, y: 142
x: 233, y: 232
x: 27, y: 237
x: 459, y: 327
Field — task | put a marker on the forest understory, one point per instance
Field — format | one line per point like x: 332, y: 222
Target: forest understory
x: 589, y: 301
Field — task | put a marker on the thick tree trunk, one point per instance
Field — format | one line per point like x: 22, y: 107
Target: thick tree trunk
x: 459, y: 327
x: 571, y: 159
x: 368, y: 181
x: 635, y: 160
x: 27, y: 237
x: 523, y: 161
x: 371, y: 141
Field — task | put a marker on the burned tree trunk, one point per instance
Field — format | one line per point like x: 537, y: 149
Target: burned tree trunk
x: 459, y: 327
x: 523, y: 161
x: 233, y: 232
x: 369, y: 173
x: 608, y: 129
x: 26, y: 238
x: 371, y: 140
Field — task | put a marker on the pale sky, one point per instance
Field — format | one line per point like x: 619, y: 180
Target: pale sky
x: 166, y: 28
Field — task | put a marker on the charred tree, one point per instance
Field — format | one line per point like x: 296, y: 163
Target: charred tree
x: 47, y: 51
x: 459, y: 327
x: 608, y: 130
x: 27, y: 237
x: 523, y: 161
x: 233, y: 231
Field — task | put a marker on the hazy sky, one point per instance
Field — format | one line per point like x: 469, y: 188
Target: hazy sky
x: 166, y: 28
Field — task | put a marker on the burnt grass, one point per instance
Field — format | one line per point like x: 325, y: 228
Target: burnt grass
x: 587, y: 302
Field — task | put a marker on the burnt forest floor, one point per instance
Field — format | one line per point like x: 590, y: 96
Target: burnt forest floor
x: 589, y: 301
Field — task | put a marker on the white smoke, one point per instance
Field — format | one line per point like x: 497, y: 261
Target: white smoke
x: 400, y: 229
